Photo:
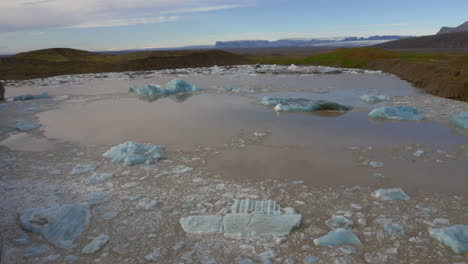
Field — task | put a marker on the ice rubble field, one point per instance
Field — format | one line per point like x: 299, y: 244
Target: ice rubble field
x: 144, y: 203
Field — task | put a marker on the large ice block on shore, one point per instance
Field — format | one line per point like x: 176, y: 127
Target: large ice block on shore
x: 31, y: 96
x: 454, y: 237
x: 131, y: 153
x: 248, y: 219
x: 461, y: 120
x: 60, y: 225
x: 173, y: 87
x: 397, y: 113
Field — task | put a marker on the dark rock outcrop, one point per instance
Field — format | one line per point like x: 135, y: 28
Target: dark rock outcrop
x: 2, y: 92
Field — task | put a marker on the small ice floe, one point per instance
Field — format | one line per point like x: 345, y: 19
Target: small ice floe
x: 131, y: 153
x: 99, y: 177
x: 26, y: 126
x: 248, y: 219
x: 376, y: 164
x: 95, y: 245
x: 390, y: 194
x: 454, y: 237
x: 338, y: 237
x: 373, y: 99
x: 173, y: 87
x: 31, y: 96
x: 83, y: 168
x: 461, y: 120
x: 339, y: 221
x: 378, y: 175
x: 397, y: 113
x: 418, y: 153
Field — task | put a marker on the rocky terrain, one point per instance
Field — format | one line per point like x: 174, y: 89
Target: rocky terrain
x: 69, y: 202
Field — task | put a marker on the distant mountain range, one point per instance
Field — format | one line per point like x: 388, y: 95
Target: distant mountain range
x: 455, y: 40
x: 295, y: 42
x: 461, y: 28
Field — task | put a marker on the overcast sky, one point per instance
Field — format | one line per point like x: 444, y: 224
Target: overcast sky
x: 135, y: 24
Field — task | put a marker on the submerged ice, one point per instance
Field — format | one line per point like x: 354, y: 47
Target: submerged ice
x: 31, y: 96
x: 390, y: 194
x: 461, y: 120
x: 373, y: 99
x: 131, y: 153
x: 338, y: 237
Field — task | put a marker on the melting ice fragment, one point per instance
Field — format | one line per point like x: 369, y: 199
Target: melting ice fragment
x: 31, y: 96
x: 25, y: 125
x: 83, y: 168
x: 99, y: 177
x: 173, y: 87
x: 397, y: 113
x: 60, y: 225
x: 248, y: 219
x: 390, y: 194
x: 373, y: 99
x: 302, y: 105
x: 95, y: 245
x: 338, y: 237
x: 454, y: 237
x: 339, y: 221
x: 461, y: 120
x: 131, y: 153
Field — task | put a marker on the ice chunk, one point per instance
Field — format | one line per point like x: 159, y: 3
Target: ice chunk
x: 376, y: 164
x: 99, y: 177
x: 173, y: 87
x: 37, y: 250
x: 454, y: 237
x: 339, y: 221
x: 390, y: 194
x: 394, y: 229
x: 248, y: 219
x: 83, y: 168
x: 461, y: 120
x: 310, y: 260
x: 59, y: 225
x: 418, y: 153
x: 26, y: 126
x: 373, y: 99
x: 96, y: 244
x: 131, y: 153
x: 338, y: 237
x: 396, y: 113
x: 310, y: 106
x: 31, y: 96
x: 203, y: 224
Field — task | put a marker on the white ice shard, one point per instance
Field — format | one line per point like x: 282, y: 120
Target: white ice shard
x: 131, y: 153
x: 83, y: 168
x: 373, y: 99
x: 461, y: 120
x: 248, y: 219
x: 390, y: 194
x: 338, y: 237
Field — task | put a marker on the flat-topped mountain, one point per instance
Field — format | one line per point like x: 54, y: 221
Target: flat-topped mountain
x: 461, y: 28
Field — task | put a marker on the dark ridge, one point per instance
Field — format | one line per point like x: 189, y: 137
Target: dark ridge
x: 457, y: 40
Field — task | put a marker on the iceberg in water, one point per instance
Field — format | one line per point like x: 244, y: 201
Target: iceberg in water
x: 131, y: 153
x: 302, y: 105
x: 461, y: 120
x: 454, y: 237
x: 397, y: 113
x: 31, y: 96
x: 173, y: 87
x: 373, y: 99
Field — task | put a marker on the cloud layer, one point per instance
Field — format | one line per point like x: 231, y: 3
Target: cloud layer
x: 37, y: 15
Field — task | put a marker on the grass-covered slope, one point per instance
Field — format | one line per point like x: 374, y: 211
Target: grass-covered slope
x: 59, y: 61
x: 442, y: 74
